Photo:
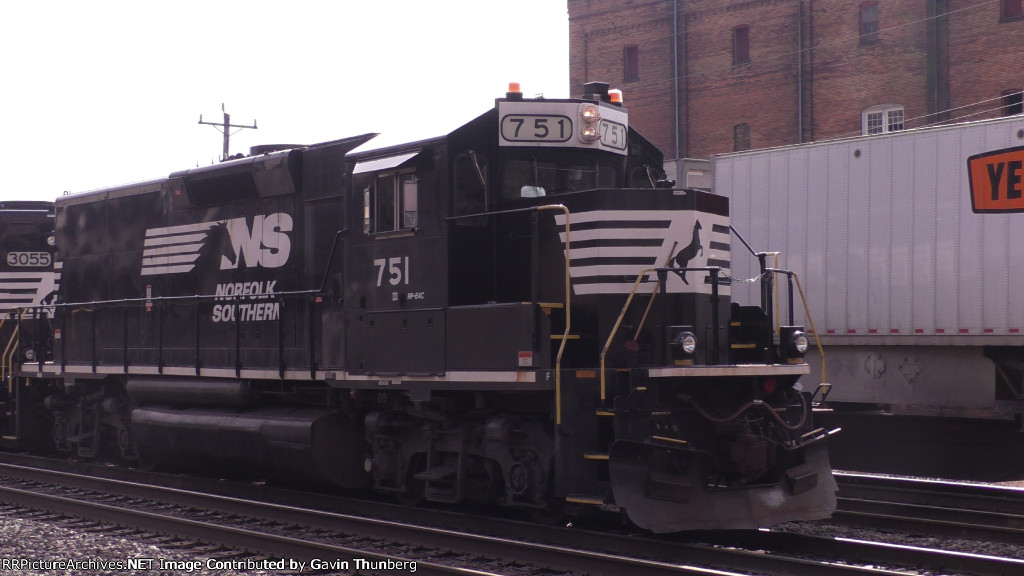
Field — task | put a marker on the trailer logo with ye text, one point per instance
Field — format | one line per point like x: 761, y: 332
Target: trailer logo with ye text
x: 997, y: 180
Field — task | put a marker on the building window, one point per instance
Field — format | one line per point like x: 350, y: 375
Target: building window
x: 1011, y: 9
x: 391, y: 203
x: 882, y: 119
x: 741, y: 44
x: 1013, y: 103
x: 630, y: 63
x: 869, y: 23
x: 741, y: 137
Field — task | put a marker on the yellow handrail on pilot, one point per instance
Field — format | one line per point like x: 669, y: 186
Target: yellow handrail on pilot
x: 810, y: 321
x: 618, y: 322
x: 807, y: 311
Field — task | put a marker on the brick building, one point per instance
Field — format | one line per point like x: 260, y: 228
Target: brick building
x: 702, y: 77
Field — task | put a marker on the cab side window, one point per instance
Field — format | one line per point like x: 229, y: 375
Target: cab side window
x: 391, y: 203
x: 470, y: 184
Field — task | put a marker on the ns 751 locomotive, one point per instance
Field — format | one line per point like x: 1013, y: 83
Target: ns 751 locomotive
x: 520, y: 313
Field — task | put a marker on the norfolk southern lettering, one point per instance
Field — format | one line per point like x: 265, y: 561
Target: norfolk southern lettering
x: 249, y: 302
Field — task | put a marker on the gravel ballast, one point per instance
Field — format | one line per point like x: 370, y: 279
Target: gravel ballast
x: 30, y: 547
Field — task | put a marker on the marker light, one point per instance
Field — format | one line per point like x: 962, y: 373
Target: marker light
x: 514, y: 92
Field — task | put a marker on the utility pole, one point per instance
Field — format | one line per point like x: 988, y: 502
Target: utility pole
x: 225, y: 129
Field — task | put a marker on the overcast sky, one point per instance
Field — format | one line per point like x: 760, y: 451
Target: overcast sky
x: 102, y: 92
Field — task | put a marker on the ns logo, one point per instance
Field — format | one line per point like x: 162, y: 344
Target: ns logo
x: 220, y: 245
x: 266, y: 244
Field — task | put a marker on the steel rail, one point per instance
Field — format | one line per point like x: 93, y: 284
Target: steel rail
x: 578, y: 551
x: 945, y: 508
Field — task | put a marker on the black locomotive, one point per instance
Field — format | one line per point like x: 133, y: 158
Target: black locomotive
x: 519, y: 313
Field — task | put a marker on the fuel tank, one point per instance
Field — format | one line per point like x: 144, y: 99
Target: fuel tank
x: 151, y: 390
x: 281, y: 442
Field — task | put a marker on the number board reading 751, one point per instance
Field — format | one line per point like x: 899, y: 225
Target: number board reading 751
x: 551, y: 123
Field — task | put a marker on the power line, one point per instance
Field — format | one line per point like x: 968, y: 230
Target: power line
x: 225, y: 129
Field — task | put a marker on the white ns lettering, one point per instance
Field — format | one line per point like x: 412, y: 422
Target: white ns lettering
x: 266, y: 245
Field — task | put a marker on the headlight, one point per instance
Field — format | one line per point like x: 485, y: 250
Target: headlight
x: 590, y: 117
x: 688, y: 343
x: 590, y: 134
x: 800, y: 342
x: 590, y: 113
x: 683, y: 345
x: 793, y: 344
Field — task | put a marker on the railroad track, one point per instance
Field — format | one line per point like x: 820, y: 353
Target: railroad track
x: 479, y: 545
x: 934, y: 507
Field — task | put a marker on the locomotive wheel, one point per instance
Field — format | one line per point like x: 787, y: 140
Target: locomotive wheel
x: 554, y: 510
x: 414, y: 489
x: 144, y: 464
x: 552, y: 514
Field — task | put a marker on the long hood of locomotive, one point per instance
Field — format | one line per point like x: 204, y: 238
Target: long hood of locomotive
x: 237, y: 260
x: 240, y: 254
x: 609, y: 247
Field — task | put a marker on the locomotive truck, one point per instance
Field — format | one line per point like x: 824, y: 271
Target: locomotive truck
x: 520, y: 313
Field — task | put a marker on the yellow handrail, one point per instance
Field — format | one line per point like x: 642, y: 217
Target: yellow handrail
x: 7, y: 360
x: 565, y: 333
x: 814, y: 331
x: 807, y: 310
x: 618, y: 322
x: 643, y: 274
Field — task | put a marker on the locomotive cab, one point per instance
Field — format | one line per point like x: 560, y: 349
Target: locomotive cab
x: 564, y: 262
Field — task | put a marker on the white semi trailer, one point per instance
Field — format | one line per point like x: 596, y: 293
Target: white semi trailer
x: 919, y: 288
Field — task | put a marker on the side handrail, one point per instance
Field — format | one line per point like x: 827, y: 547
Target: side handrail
x: 662, y: 278
x: 568, y: 288
x: 7, y: 360
x: 615, y: 327
x: 793, y: 277
x: 803, y: 299
x: 568, y: 317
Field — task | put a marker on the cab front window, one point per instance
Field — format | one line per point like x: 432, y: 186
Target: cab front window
x: 534, y: 177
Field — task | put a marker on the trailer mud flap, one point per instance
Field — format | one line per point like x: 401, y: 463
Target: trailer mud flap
x: 662, y: 489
